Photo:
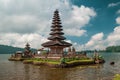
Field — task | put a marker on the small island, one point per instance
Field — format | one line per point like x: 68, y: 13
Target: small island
x: 55, y: 56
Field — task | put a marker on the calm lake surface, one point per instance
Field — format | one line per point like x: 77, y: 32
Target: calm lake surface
x: 10, y: 70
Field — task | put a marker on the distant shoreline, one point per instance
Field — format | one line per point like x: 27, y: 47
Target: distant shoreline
x: 5, y: 49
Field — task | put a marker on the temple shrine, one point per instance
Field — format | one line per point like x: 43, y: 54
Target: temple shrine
x: 55, y: 56
x: 27, y: 51
x: 56, y: 42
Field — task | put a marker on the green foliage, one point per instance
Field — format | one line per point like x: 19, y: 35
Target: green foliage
x: 100, y: 57
x: 117, y: 77
x: 62, y: 60
x: 113, y: 49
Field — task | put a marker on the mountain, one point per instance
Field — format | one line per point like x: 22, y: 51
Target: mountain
x: 4, y: 49
x: 113, y: 49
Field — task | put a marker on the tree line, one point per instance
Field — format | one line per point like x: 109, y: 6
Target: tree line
x: 113, y: 49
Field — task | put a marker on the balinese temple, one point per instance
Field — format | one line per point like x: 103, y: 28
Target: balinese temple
x: 56, y: 41
x: 27, y: 51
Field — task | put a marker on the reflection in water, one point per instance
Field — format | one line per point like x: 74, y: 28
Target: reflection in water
x: 84, y: 73
x: 27, y: 70
x: 56, y: 74
x: 45, y: 73
x: 18, y: 71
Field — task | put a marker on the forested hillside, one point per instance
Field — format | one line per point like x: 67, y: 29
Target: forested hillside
x: 4, y: 49
x: 113, y: 49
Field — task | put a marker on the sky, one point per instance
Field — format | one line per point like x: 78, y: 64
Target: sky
x: 87, y: 24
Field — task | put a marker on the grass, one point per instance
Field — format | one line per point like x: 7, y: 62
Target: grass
x: 38, y: 60
x: 53, y: 62
x: 82, y: 61
x: 73, y: 59
x: 66, y: 60
x: 117, y: 77
x: 49, y: 62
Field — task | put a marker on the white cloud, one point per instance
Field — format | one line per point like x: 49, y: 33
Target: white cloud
x: 82, y: 15
x: 22, y: 20
x: 19, y: 24
x: 19, y: 40
x: 75, y: 32
x: 28, y: 20
x: 33, y: 15
x: 114, y: 37
x: 77, y: 19
x: 96, y: 42
x: 5, y: 2
x: 66, y: 2
x: 118, y: 20
x: 113, y: 4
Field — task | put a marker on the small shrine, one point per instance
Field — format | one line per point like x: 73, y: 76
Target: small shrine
x: 18, y: 54
x: 27, y: 52
x: 56, y: 41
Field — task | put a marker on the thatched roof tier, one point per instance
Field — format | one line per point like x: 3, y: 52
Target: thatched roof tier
x: 56, y: 43
x: 58, y: 37
x: 56, y: 32
x: 56, y: 28
x: 56, y: 22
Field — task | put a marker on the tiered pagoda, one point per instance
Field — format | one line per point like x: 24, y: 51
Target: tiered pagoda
x: 56, y: 41
x: 27, y: 51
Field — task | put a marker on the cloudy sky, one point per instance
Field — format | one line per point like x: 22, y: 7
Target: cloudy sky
x: 87, y: 24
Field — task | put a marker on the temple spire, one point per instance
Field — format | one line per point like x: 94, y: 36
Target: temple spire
x: 56, y: 43
x: 27, y: 46
x: 56, y: 33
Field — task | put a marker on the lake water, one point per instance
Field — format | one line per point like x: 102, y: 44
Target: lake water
x: 11, y: 70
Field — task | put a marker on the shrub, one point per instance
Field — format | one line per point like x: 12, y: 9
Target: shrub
x: 62, y: 60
